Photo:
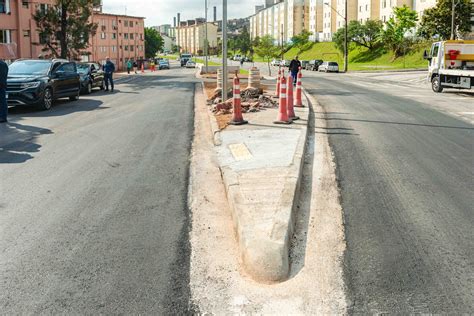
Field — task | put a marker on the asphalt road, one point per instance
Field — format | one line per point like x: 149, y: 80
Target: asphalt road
x: 93, y: 203
x: 405, y: 169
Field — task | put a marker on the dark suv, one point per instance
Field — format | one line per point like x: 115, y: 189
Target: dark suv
x: 313, y: 64
x: 40, y: 82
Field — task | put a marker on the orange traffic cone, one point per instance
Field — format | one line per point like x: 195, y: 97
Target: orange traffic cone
x: 299, y: 100
x: 277, y: 92
x: 283, y: 113
x: 237, y: 118
x: 289, y: 100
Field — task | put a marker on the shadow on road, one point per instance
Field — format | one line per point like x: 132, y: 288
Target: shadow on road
x: 19, y: 141
x: 60, y: 107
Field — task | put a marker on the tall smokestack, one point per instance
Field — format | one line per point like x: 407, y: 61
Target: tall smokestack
x: 174, y: 21
x: 215, y: 13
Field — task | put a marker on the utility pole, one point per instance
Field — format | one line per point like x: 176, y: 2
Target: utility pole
x: 345, y: 38
x: 452, y: 20
x: 177, y: 34
x: 206, y: 44
x: 225, y: 76
x: 282, y: 55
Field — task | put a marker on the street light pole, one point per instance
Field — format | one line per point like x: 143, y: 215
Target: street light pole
x: 452, y: 20
x: 206, y: 45
x: 224, y: 50
x: 345, y: 38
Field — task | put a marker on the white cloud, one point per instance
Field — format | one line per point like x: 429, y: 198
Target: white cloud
x: 163, y: 11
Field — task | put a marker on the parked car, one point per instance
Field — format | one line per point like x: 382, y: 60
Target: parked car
x: 285, y: 63
x: 247, y: 59
x: 329, y: 66
x: 304, y: 63
x: 190, y: 64
x: 275, y: 62
x: 237, y: 57
x: 40, y: 82
x: 313, y: 64
x: 163, y: 64
x: 91, y: 76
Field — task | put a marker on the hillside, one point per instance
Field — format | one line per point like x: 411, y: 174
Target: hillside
x: 361, y: 58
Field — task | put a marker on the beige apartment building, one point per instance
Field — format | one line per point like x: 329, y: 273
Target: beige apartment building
x: 191, y: 35
x: 322, y: 17
x: 120, y: 37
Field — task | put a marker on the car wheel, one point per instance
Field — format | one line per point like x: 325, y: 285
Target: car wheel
x: 75, y: 97
x: 436, y: 84
x: 89, y: 88
x: 47, y: 101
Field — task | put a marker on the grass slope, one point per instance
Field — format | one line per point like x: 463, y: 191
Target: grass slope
x: 362, y: 59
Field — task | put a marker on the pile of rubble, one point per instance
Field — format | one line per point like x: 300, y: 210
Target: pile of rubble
x: 252, y: 100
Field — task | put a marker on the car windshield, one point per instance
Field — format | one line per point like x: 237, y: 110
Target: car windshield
x: 82, y: 68
x: 29, y: 67
x: 332, y: 64
x: 164, y: 61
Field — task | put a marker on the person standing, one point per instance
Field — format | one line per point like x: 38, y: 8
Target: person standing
x: 294, y: 68
x: 129, y: 66
x: 135, y: 66
x: 3, y: 92
x: 152, y: 65
x: 109, y: 69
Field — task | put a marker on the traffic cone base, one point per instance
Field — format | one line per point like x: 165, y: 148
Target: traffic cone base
x: 232, y: 122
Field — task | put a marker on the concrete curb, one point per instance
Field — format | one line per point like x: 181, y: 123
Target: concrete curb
x: 216, y: 132
x: 265, y: 257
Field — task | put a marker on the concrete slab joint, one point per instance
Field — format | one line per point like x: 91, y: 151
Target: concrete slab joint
x: 261, y: 168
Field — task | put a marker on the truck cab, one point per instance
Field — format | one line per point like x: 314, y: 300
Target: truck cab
x: 451, y: 65
x: 184, y: 59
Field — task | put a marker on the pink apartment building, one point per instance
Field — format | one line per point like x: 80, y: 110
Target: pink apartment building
x: 120, y: 37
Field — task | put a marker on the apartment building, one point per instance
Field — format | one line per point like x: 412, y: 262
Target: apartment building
x: 386, y: 7
x: 118, y: 36
x: 192, y: 33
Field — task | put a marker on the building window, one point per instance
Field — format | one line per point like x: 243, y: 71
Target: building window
x: 5, y: 36
x: 26, y: 33
x: 125, y: 35
x: 25, y: 4
x: 125, y: 23
x: 4, y: 6
x: 114, y: 48
x: 102, y: 35
x: 43, y: 38
x: 114, y: 35
x: 131, y: 23
x: 131, y: 48
x: 43, y: 7
x: 131, y: 36
x: 366, y: 7
x: 126, y: 47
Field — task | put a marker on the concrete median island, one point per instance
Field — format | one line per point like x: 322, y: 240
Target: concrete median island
x: 261, y: 166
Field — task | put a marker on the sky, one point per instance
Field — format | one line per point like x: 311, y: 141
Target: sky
x: 159, y: 12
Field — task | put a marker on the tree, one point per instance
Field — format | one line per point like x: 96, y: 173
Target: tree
x: 394, y: 36
x: 243, y: 41
x: 364, y: 35
x: 436, y: 21
x: 267, y: 50
x: 153, y: 42
x: 301, y: 41
x: 65, y: 27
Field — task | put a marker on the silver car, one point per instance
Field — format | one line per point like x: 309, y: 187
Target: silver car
x: 190, y: 64
x: 329, y: 66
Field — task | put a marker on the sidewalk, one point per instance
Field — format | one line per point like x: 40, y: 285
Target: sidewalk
x: 261, y: 165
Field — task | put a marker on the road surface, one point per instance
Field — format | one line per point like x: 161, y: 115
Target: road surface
x: 404, y: 160
x: 93, y: 204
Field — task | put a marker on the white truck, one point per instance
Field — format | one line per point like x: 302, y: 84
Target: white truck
x: 451, y: 65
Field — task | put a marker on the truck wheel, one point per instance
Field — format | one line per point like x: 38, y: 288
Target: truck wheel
x: 436, y: 84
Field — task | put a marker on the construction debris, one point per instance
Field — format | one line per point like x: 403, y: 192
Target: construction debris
x: 248, y: 104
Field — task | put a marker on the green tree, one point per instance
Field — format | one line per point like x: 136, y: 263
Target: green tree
x: 394, y: 36
x: 153, y: 42
x: 301, y: 41
x: 243, y: 41
x: 364, y: 35
x: 436, y: 21
x: 65, y: 27
x: 267, y: 50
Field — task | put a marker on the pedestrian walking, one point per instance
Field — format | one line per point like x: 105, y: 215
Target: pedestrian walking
x: 135, y: 66
x: 152, y: 65
x: 109, y: 69
x: 3, y: 91
x: 129, y: 66
x: 241, y: 62
x: 294, y: 68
